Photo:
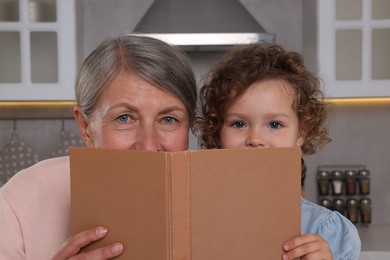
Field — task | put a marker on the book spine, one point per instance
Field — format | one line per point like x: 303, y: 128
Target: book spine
x: 180, y: 206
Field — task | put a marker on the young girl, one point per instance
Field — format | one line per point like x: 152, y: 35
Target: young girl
x: 263, y: 96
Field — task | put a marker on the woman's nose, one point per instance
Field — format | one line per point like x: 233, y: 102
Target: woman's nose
x: 148, y: 140
x: 255, y: 138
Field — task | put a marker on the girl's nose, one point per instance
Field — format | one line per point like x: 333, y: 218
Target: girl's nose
x: 255, y: 139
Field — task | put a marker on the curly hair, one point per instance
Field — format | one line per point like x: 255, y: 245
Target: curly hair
x: 238, y: 69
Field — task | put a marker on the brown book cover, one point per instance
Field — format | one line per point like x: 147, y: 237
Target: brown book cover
x: 204, y: 204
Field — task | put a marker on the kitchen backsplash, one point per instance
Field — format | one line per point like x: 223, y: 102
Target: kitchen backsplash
x: 24, y: 142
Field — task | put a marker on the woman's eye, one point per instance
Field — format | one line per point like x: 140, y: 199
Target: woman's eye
x: 124, y: 118
x: 169, y: 120
x: 238, y: 124
x: 275, y: 125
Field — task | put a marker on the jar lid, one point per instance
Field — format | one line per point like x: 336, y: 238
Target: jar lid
x: 325, y: 202
x: 337, y: 174
x: 323, y: 174
x: 352, y: 202
x: 364, y: 173
x: 338, y: 202
x: 365, y: 201
x: 350, y: 173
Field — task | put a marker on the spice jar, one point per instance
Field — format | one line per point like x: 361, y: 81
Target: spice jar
x: 337, y: 182
x: 365, y: 210
x: 350, y: 182
x: 323, y: 183
x: 352, y: 210
x: 327, y: 203
x: 339, y: 205
x: 364, y: 182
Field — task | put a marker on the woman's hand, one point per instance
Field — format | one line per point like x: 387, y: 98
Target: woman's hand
x: 71, y: 248
x: 307, y: 247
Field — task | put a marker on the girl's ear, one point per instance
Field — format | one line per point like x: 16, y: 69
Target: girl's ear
x: 301, y: 138
x: 83, y: 126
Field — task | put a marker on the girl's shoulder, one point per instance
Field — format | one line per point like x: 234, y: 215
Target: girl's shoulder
x: 341, y: 235
x: 314, y: 213
x: 315, y: 217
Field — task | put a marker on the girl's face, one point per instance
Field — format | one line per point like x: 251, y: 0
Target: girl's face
x: 262, y: 117
x: 133, y: 114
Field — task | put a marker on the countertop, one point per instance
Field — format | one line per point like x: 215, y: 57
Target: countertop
x: 375, y: 242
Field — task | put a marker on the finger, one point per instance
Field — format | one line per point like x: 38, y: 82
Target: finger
x: 308, y: 246
x: 102, y: 253
x: 73, y: 245
x: 300, y: 240
x: 306, y: 250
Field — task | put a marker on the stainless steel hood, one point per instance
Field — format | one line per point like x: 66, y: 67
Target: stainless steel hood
x: 202, y: 25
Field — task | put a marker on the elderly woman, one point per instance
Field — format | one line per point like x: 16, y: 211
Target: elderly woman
x: 132, y: 93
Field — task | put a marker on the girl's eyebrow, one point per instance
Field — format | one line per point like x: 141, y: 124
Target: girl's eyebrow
x: 235, y: 114
x: 244, y: 114
x: 278, y: 114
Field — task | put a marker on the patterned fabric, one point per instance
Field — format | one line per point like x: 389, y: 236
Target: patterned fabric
x: 67, y: 139
x: 14, y: 157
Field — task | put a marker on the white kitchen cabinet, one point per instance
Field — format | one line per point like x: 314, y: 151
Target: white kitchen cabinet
x: 354, y: 47
x: 37, y: 50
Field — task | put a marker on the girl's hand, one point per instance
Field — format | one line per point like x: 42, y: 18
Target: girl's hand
x: 71, y: 248
x: 307, y: 247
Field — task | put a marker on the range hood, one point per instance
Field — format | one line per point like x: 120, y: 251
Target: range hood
x: 202, y: 25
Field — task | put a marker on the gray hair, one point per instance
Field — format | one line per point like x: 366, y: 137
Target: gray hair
x: 157, y: 62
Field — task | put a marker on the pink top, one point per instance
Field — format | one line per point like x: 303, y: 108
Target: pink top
x: 35, y: 211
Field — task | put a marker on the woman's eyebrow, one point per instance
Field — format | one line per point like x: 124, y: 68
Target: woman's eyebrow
x: 171, y: 109
x: 125, y: 104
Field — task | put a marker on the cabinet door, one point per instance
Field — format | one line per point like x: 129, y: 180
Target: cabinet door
x: 354, y: 47
x: 37, y: 49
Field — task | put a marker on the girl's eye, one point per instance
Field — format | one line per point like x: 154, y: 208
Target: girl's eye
x: 124, y: 118
x: 275, y: 125
x: 169, y: 120
x: 238, y: 124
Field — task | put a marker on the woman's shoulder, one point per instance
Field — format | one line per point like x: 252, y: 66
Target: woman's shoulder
x: 45, y: 168
x: 47, y: 174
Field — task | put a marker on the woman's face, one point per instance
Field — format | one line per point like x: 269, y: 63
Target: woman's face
x: 262, y: 117
x: 133, y: 114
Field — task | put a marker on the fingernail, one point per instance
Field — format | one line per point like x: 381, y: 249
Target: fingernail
x: 286, y: 247
x: 116, y: 248
x: 100, y: 231
x: 285, y: 257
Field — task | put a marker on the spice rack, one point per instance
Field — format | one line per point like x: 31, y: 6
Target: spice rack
x: 346, y: 189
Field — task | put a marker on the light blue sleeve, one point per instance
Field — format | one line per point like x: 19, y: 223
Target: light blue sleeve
x: 341, y: 235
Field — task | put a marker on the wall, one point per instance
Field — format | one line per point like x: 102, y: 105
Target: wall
x: 360, y: 136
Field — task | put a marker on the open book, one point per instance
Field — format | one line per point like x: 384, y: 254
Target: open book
x: 202, y: 205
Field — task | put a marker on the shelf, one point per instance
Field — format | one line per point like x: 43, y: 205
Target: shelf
x: 36, y: 110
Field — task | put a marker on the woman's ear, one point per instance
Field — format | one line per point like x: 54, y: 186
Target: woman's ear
x: 83, y: 125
